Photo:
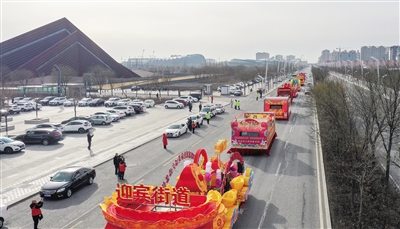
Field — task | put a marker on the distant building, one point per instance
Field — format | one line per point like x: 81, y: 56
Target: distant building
x: 394, y: 52
x: 379, y: 53
x: 262, y: 56
x: 192, y: 60
x: 324, y: 56
x: 278, y: 57
x: 290, y: 58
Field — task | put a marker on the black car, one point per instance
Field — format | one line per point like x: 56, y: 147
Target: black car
x: 78, y: 118
x: 46, y: 100
x: 96, y: 102
x: 42, y: 136
x: 198, y: 96
x: 138, y: 109
x: 67, y: 180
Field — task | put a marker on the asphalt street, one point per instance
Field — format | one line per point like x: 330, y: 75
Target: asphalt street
x: 284, y: 194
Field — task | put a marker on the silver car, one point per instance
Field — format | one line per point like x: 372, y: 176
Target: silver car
x: 114, y: 117
x: 101, y: 120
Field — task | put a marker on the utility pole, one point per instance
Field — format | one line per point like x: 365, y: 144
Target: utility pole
x: 59, y: 80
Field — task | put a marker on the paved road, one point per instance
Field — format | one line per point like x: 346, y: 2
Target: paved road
x: 284, y: 195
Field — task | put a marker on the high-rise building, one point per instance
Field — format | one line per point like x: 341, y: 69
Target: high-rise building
x: 394, y: 52
x: 262, y: 56
x: 379, y: 53
x: 290, y: 58
x: 324, y: 55
x: 278, y: 57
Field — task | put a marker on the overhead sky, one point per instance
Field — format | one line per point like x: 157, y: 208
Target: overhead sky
x: 220, y: 30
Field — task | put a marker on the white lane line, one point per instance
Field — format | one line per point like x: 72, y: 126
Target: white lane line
x: 286, y: 144
x: 197, y: 142
x: 291, y: 129
x: 13, y: 175
x: 277, y: 171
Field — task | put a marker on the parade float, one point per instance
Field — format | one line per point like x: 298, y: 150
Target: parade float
x: 280, y: 106
x: 207, y: 195
x: 287, y: 90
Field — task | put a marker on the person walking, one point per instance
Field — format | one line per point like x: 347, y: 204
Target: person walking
x: 208, y: 117
x: 116, y: 160
x: 238, y: 102
x: 122, y: 168
x: 36, y: 212
x: 190, y: 106
x: 212, y: 98
x: 89, y: 139
x: 165, y: 140
x: 235, y: 104
x: 200, y: 106
x: 193, y: 126
x: 189, y: 123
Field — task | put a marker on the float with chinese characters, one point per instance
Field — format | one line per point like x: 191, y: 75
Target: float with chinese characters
x: 287, y: 90
x: 253, y: 133
x: 279, y: 105
x: 208, y: 195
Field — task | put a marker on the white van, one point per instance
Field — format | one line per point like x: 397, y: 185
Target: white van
x: 4, y: 214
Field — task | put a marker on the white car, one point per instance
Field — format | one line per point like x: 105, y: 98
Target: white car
x: 57, y: 101
x: 128, y: 110
x: 69, y: 103
x: 4, y: 214
x: 111, y: 102
x: 80, y: 126
x: 149, y: 103
x: 25, y: 106
x: 198, y: 119
x: 137, y: 101
x: 114, y: 117
x: 56, y: 126
x: 124, y: 102
x: 34, y: 105
x: 176, y: 130
x: 189, y: 98
x: 120, y: 113
x: 9, y: 145
x: 173, y: 104
x: 84, y: 102
x: 219, y: 108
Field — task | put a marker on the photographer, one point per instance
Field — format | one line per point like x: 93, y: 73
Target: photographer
x: 36, y: 212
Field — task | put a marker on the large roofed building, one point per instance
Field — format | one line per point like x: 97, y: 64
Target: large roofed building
x: 57, y: 43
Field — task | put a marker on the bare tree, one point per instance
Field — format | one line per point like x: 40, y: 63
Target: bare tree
x: 99, y: 76
x: 111, y: 79
x: 22, y: 76
x: 67, y: 73
x: 5, y: 76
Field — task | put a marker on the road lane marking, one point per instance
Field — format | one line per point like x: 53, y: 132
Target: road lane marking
x: 197, y: 142
x: 169, y: 162
x: 277, y: 171
x: 13, y: 175
x: 139, y: 182
x: 213, y: 131
x: 291, y: 129
x: 286, y: 144
x: 77, y: 224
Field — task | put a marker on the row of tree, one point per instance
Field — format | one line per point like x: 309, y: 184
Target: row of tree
x: 359, y: 128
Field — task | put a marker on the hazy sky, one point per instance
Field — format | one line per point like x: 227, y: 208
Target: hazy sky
x: 220, y: 30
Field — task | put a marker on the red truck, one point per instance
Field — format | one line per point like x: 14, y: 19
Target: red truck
x: 287, y: 90
x: 279, y: 105
x: 253, y: 133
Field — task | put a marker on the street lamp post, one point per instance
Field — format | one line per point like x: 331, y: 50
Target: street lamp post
x: 59, y: 80
x: 266, y: 75
x: 377, y: 66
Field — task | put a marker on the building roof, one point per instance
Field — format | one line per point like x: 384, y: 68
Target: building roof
x: 57, y: 43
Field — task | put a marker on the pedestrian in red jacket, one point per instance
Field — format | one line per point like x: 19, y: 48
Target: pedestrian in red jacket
x: 165, y: 140
x: 36, y: 212
x: 122, y: 168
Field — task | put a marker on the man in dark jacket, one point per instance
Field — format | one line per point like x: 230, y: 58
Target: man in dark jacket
x: 189, y: 123
x: 89, y: 139
x: 190, y: 106
x: 116, y: 161
x: 36, y: 212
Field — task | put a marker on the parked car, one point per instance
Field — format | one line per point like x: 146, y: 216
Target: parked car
x: 13, y: 109
x: 136, y: 88
x: 198, y: 119
x: 208, y: 108
x: 17, y: 99
x: 219, y: 108
x: 57, y: 101
x: 198, y: 96
x: 190, y: 98
x: 113, y: 117
x: 101, y: 120
x: 84, y: 102
x: 120, y: 113
x: 124, y: 102
x: 176, y: 130
x: 9, y: 145
x: 96, y: 102
x: 128, y: 110
x: 173, y: 104
x: 43, y: 136
x: 111, y: 102
x: 46, y: 100
x: 56, y: 126
x: 80, y: 126
x: 238, y: 93
x: 137, y: 108
x: 183, y: 101
x: 140, y: 104
x: 65, y: 181
x: 35, y: 105
x: 4, y: 214
x: 70, y: 102
x: 78, y: 118
x: 137, y: 101
x: 150, y: 103
x: 25, y: 106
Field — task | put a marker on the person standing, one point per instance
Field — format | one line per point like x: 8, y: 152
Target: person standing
x: 89, y: 139
x: 257, y: 96
x: 200, y: 106
x: 208, y: 117
x: 116, y: 163
x: 189, y: 123
x: 165, y: 140
x: 36, y: 212
x: 122, y: 168
x: 193, y: 126
x: 238, y: 102
x: 212, y: 98
x: 190, y: 106
x: 235, y: 104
